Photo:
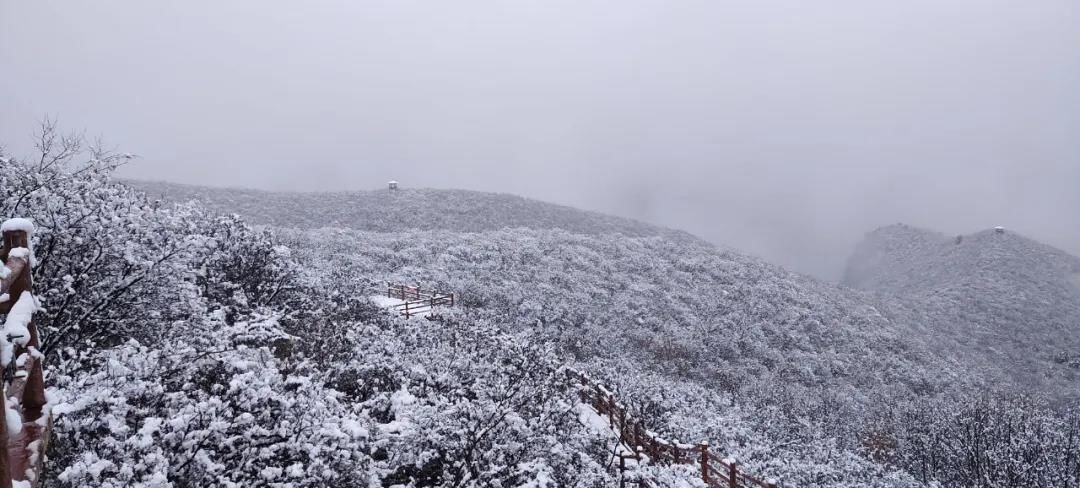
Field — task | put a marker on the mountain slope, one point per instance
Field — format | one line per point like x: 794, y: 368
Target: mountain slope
x: 1000, y: 296
x: 190, y: 349
x: 799, y: 379
x: 394, y: 211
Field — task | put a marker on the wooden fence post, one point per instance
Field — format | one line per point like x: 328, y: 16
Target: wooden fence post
x: 676, y: 451
x: 23, y: 281
x: 15, y: 458
x: 704, y: 447
x: 33, y: 398
x: 733, y: 474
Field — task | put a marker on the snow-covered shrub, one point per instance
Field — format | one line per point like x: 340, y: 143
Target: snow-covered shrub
x: 188, y: 349
x: 218, y: 413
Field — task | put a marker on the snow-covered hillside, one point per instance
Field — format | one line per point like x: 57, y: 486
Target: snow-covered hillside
x: 191, y: 349
x: 787, y: 371
x: 1001, y: 299
x: 394, y: 211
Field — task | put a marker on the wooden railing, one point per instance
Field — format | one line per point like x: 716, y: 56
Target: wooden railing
x: 21, y: 463
x: 416, y: 300
x: 647, y: 446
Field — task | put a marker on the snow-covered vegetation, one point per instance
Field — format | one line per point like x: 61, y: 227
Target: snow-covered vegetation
x: 392, y: 211
x: 809, y: 382
x: 999, y: 299
x: 190, y: 348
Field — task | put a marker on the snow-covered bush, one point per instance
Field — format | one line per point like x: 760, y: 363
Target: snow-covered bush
x: 191, y: 349
x: 205, y: 413
x: 796, y: 374
x: 188, y: 349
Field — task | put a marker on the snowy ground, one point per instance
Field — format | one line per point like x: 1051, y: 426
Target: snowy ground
x: 681, y: 476
x: 389, y: 303
x: 385, y: 301
x: 599, y: 426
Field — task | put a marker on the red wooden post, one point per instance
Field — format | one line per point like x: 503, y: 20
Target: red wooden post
x: 33, y: 396
x: 704, y: 448
x: 733, y: 475
x: 29, y: 385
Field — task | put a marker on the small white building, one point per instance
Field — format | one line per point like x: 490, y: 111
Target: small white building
x: 393, y: 185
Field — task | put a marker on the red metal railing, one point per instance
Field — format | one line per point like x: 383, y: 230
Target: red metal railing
x: 648, y: 446
x: 24, y: 380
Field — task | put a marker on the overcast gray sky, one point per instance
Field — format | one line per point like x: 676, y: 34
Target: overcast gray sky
x: 786, y: 128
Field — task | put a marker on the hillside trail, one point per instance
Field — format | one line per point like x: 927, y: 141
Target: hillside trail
x: 637, y: 447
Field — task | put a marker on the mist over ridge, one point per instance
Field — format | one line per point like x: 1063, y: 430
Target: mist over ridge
x: 780, y: 128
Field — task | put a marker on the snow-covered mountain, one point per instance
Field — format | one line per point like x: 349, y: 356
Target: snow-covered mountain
x: 1007, y: 301
x: 781, y: 369
x: 398, y: 210
x: 624, y: 288
x: 186, y: 348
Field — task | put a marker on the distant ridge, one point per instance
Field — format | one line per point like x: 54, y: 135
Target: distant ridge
x: 1000, y: 294
x: 392, y: 211
x: 905, y: 259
